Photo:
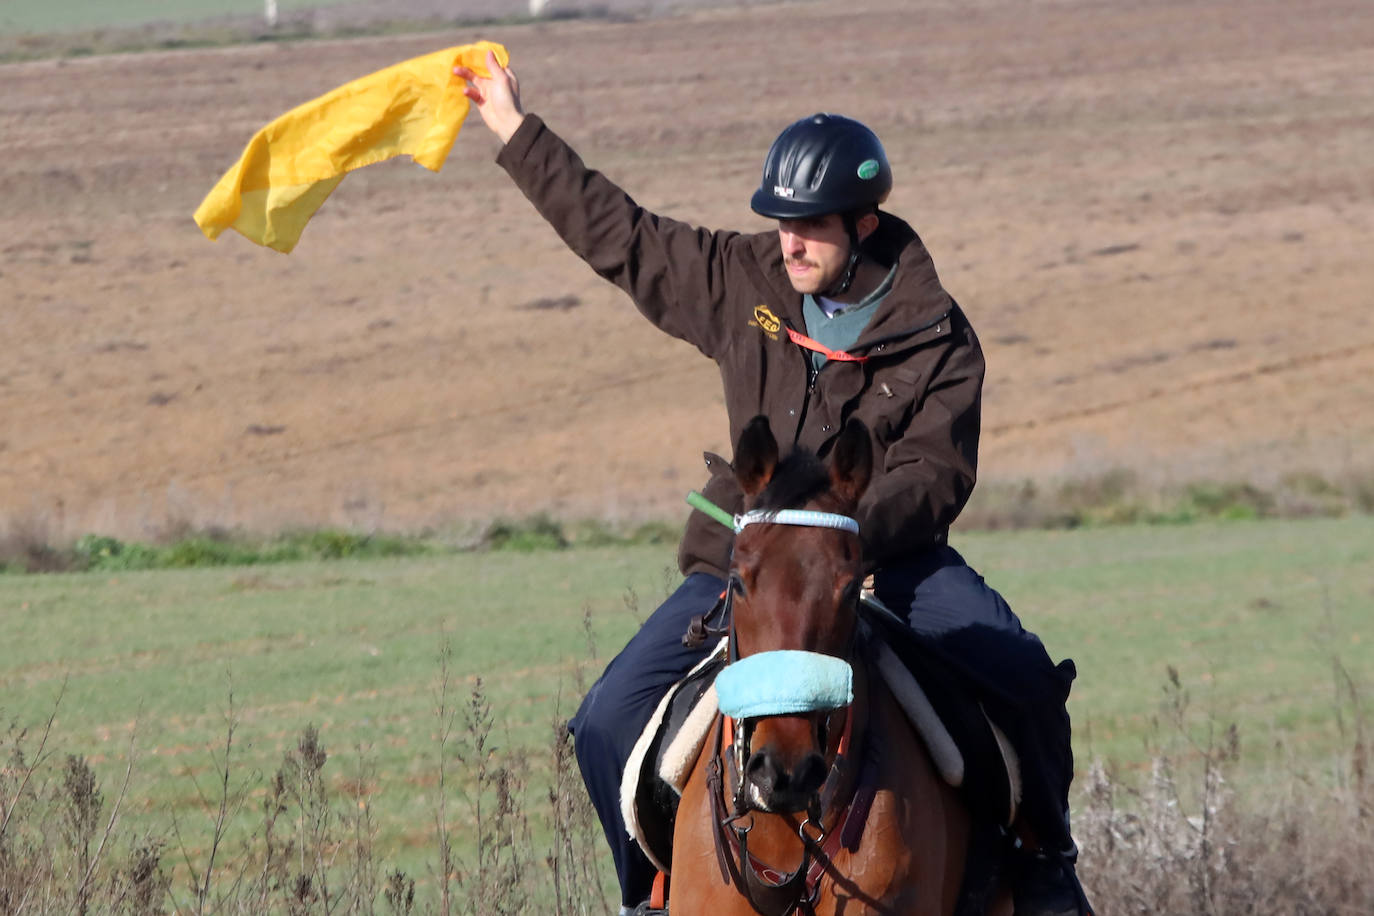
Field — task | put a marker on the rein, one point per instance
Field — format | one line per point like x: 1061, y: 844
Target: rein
x: 770, y: 891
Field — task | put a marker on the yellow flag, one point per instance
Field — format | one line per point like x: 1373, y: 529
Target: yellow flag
x: 290, y: 166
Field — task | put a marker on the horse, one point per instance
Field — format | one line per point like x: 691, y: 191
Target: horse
x: 819, y: 799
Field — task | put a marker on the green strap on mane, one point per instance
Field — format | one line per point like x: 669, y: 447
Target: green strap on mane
x: 702, y: 504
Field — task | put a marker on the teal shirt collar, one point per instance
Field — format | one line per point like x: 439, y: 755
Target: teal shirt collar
x: 840, y: 331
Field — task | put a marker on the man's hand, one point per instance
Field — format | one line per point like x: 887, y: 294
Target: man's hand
x: 497, y: 97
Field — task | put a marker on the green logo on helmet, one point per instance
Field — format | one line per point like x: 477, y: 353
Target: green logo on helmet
x: 868, y: 169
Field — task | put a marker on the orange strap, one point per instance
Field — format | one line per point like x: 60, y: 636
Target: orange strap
x: 802, y: 340
x: 658, y: 897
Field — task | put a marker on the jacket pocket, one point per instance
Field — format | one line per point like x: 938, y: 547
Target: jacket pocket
x: 889, y: 401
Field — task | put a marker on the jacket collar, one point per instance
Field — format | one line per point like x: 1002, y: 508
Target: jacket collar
x: 917, y: 303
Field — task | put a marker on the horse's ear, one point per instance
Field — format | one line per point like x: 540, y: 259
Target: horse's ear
x: 851, y: 462
x: 756, y: 457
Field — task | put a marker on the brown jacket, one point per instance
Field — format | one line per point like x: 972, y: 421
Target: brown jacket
x: 727, y: 293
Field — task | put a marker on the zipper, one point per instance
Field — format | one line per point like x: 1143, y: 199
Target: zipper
x: 907, y: 333
x: 811, y: 374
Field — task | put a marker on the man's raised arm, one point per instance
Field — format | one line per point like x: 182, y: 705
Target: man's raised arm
x: 674, y: 272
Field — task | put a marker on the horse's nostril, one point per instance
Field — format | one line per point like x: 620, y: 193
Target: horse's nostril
x: 784, y: 789
x: 810, y: 774
x: 762, y: 771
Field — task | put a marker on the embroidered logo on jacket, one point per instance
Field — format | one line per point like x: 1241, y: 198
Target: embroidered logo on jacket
x: 766, y: 321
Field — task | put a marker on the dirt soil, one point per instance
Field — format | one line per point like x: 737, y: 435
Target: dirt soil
x: 1159, y: 215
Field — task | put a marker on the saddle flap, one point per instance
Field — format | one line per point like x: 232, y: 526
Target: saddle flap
x: 669, y: 744
x: 948, y: 715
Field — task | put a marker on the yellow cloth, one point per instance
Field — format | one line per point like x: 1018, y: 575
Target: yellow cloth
x: 294, y: 163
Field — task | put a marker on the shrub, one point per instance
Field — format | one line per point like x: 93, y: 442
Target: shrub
x: 1189, y: 842
x: 538, y: 532
x: 1228, y: 501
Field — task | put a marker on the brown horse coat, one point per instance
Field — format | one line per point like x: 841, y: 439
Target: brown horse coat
x: 910, y: 860
x: 795, y: 584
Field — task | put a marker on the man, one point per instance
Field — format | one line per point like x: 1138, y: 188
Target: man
x: 837, y: 314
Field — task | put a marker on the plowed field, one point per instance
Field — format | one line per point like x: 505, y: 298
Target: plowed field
x: 1158, y: 213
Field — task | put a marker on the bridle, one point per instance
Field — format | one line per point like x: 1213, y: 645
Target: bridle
x: 772, y: 892
x: 805, y: 518
x: 719, y: 621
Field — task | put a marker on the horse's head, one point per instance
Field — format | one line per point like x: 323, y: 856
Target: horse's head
x: 796, y: 578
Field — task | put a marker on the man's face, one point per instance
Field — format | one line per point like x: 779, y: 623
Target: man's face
x: 815, y: 251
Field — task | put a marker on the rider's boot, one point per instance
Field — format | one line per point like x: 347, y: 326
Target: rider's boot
x: 1045, y: 884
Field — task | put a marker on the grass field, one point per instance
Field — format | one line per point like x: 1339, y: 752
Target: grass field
x: 1250, y: 614
x: 351, y: 647
x: 37, y: 16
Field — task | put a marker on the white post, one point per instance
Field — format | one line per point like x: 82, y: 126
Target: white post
x: 270, y: 13
x: 537, y: 7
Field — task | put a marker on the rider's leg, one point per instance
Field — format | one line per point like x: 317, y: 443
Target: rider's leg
x: 620, y: 704
x: 1024, y: 692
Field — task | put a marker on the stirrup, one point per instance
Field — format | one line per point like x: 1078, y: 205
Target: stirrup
x: 1044, y: 885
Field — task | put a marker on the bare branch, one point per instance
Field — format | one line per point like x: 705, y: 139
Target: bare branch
x: 32, y: 766
x: 94, y: 867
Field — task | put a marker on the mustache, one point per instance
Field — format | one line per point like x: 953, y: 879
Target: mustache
x: 798, y: 262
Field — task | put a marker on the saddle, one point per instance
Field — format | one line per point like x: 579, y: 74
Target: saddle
x: 969, y: 751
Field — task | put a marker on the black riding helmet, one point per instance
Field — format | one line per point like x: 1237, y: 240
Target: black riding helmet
x: 823, y: 164
x: 820, y: 165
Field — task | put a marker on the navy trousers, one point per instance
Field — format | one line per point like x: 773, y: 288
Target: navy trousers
x: 944, y: 600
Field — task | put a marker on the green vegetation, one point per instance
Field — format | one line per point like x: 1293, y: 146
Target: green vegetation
x: 541, y: 532
x: 1120, y: 497
x: 1260, y: 624
x: 1254, y: 612
x: 16, y: 47
x: 1111, y: 499
x: 31, y: 552
x: 107, y: 554
x: 30, y: 30
x: 39, y: 16
x: 351, y: 647
x: 1254, y: 616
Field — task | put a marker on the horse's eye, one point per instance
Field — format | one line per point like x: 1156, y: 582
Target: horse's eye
x: 851, y: 592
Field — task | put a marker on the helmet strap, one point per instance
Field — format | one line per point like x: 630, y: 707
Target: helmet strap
x: 847, y: 278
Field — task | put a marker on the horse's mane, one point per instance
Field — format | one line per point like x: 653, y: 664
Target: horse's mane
x: 798, y: 478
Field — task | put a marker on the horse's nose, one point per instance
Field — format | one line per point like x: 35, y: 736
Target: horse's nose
x: 780, y: 788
